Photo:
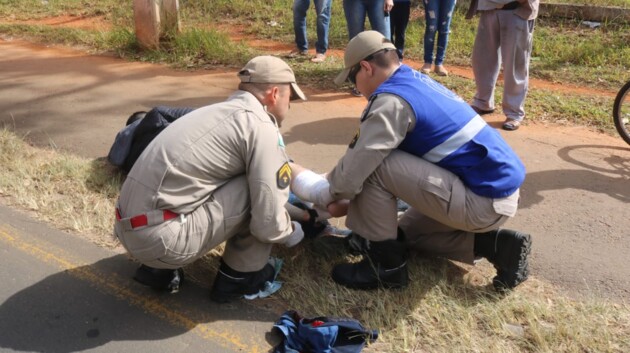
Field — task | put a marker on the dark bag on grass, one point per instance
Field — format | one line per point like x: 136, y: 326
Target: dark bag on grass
x: 136, y: 136
x: 321, y: 334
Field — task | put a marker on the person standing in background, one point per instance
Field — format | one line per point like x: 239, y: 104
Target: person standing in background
x: 322, y: 7
x: 504, y: 36
x: 399, y: 19
x: 438, y: 15
x: 378, y: 13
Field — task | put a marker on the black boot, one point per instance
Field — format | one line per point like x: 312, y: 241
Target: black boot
x: 508, y: 251
x: 356, y: 244
x: 159, y: 278
x: 384, y: 265
x: 230, y: 284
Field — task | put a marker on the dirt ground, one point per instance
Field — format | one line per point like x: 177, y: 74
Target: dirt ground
x: 574, y: 201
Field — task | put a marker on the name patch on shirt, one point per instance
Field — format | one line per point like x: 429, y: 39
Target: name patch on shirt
x: 284, y: 176
x: 355, y: 139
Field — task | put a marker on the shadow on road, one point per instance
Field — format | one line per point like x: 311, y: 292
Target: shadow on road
x: 89, y: 306
x: 336, y: 131
x: 603, y: 172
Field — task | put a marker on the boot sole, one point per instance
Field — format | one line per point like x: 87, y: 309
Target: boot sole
x: 517, y: 271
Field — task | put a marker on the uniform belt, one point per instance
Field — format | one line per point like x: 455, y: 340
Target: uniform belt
x: 146, y: 219
x: 510, y: 5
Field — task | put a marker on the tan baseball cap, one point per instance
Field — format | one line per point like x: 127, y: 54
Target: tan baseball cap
x: 269, y: 69
x: 360, y: 47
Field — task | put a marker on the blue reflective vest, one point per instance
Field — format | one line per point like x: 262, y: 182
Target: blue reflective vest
x: 450, y: 134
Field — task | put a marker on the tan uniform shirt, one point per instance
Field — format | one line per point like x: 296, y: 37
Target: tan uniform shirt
x: 203, y: 150
x: 384, y: 124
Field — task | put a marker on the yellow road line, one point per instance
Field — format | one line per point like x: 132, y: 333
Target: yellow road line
x: 85, y: 272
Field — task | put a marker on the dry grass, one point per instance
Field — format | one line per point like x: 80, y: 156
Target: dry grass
x: 69, y: 192
x: 447, y: 308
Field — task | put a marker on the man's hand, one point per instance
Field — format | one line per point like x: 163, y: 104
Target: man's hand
x: 388, y: 5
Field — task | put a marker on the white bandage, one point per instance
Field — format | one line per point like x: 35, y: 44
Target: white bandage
x: 312, y: 187
x: 296, y: 236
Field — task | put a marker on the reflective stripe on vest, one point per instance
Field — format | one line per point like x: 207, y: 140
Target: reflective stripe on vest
x: 456, y: 141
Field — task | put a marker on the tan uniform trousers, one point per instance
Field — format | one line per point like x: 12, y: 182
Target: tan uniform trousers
x: 443, y: 215
x: 181, y: 241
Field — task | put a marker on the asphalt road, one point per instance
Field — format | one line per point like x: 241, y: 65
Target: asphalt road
x: 61, y: 293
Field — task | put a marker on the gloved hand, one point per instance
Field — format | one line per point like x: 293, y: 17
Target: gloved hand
x: 296, y: 236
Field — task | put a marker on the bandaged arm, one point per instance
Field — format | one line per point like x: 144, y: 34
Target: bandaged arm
x: 310, y: 186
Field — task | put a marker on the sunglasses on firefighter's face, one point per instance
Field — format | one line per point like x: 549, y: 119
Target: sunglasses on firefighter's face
x: 352, y: 75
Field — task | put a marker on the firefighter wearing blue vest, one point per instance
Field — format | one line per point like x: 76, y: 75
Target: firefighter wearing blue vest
x: 420, y: 142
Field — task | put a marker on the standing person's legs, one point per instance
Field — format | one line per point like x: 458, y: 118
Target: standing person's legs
x: 399, y: 18
x: 486, y: 59
x: 516, y: 46
x: 300, y: 8
x: 323, y: 8
x: 431, y: 8
x: 354, y: 10
x: 376, y: 15
x: 444, y: 16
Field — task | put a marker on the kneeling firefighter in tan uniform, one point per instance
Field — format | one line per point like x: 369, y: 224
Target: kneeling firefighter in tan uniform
x: 219, y: 173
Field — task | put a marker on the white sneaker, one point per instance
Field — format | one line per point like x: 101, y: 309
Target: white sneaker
x: 318, y: 58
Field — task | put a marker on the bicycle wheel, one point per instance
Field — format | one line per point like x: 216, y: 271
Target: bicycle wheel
x: 621, y: 112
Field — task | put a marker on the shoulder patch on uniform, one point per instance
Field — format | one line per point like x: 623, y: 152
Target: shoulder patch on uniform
x: 355, y: 139
x: 284, y: 176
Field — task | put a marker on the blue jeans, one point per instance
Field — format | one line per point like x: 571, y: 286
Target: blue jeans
x: 438, y: 15
x: 356, y: 10
x: 300, y: 7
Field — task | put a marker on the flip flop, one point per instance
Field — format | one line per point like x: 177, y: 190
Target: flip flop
x: 511, y: 125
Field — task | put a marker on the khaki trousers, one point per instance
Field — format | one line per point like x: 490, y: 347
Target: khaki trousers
x: 181, y: 241
x: 444, y: 213
x: 503, y: 39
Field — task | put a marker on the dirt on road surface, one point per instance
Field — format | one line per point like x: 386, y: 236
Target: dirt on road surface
x: 575, y: 201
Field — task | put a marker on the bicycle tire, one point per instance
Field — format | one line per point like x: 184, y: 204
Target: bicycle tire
x: 621, y: 112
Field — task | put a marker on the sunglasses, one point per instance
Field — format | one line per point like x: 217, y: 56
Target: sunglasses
x: 352, y: 75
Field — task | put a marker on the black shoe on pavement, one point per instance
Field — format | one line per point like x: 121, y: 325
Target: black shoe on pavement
x: 509, y: 257
x: 384, y: 265
x: 158, y: 278
x: 230, y: 284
